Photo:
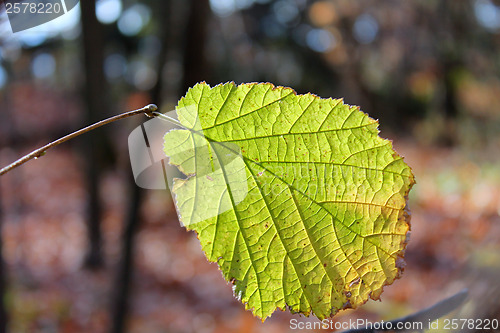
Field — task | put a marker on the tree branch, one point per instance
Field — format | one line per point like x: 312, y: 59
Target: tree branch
x: 148, y: 110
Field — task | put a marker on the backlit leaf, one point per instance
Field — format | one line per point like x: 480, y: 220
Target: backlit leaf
x: 298, y: 200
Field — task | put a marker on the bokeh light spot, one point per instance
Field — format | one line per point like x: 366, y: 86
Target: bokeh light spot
x: 223, y: 8
x: 134, y: 19
x: 43, y: 65
x: 320, y: 40
x: 487, y: 14
x: 141, y: 75
x: 108, y: 11
x: 243, y: 4
x: 32, y: 39
x: 322, y: 13
x: 115, y: 66
x: 3, y: 77
x: 365, y: 29
x: 285, y: 11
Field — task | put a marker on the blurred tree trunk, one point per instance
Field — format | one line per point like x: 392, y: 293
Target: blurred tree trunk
x: 9, y: 133
x: 195, y: 64
x: 456, y: 18
x: 451, y: 56
x: 194, y: 71
x: 124, y: 272
x: 93, y: 45
x: 3, y: 278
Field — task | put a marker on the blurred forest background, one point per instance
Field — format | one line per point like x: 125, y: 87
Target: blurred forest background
x: 85, y: 250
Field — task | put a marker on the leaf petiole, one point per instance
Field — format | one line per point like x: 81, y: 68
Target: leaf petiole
x: 169, y: 119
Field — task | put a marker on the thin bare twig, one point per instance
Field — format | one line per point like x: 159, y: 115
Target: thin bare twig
x: 148, y: 110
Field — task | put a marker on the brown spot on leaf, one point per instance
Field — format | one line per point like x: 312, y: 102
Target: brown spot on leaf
x: 354, y: 282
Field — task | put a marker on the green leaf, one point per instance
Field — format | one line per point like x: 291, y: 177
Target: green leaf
x: 297, y: 198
